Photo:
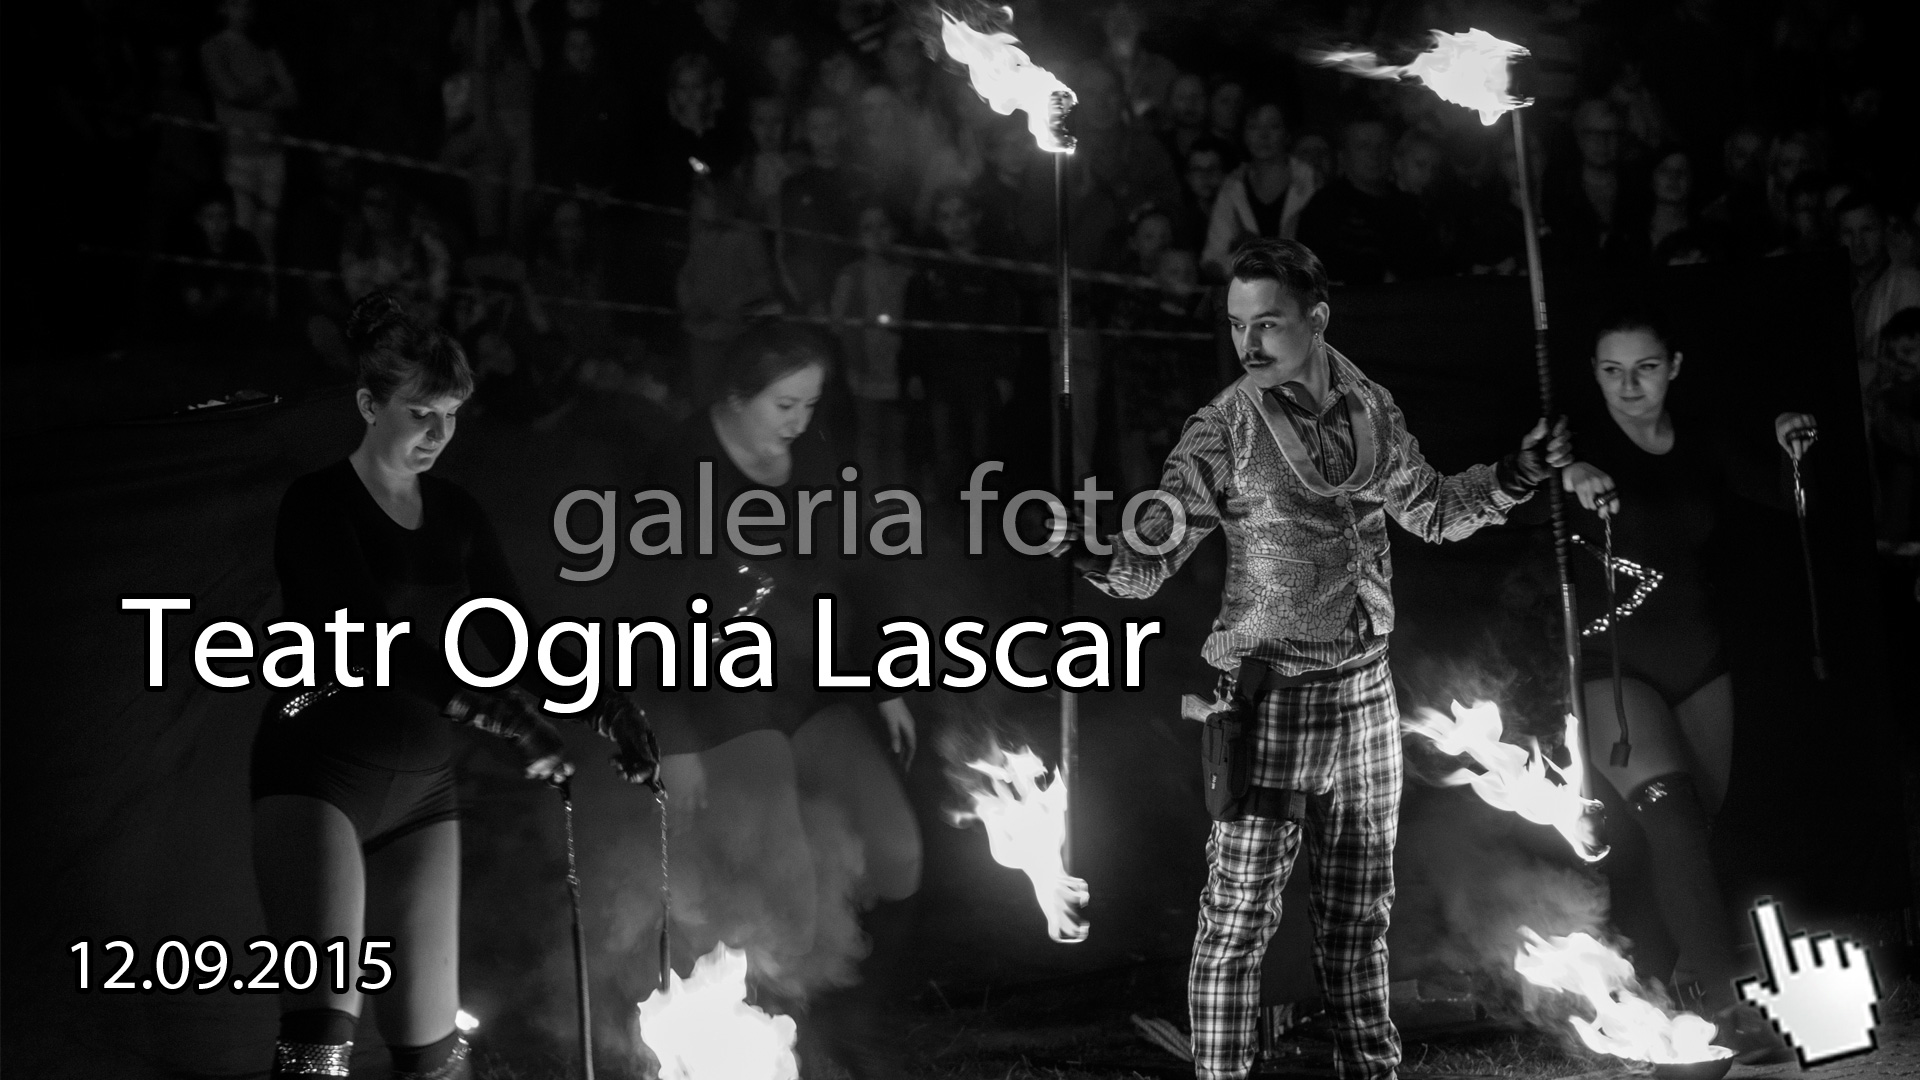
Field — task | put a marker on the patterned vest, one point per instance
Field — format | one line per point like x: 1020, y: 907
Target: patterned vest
x: 1302, y: 548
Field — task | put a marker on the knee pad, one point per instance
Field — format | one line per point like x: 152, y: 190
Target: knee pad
x: 1675, y: 785
x: 313, y: 1043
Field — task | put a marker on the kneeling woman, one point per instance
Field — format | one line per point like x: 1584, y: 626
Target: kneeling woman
x: 356, y: 829
x: 784, y: 803
x: 1665, y: 490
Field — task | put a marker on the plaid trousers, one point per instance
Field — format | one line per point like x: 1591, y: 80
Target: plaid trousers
x: 1340, y: 740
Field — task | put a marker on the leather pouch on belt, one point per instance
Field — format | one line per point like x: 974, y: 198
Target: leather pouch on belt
x: 1227, y: 748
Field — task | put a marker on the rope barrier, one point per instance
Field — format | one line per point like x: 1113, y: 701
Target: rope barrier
x: 834, y: 322
x: 403, y: 161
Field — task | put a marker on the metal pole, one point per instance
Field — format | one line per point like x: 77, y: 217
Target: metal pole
x: 1063, y: 469
x: 1556, y: 499
x: 579, y: 935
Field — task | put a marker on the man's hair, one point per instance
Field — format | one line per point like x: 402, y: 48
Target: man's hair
x: 1289, y: 262
x: 1859, y: 199
x: 1904, y: 323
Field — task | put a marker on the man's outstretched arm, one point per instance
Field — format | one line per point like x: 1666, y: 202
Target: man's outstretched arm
x: 1436, y: 507
x: 1195, y: 478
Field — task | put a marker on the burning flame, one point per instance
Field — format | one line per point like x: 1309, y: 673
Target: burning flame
x: 1624, y: 1024
x: 1467, y: 69
x: 1003, y: 75
x: 1026, y: 825
x: 701, y: 1028
x: 1517, y: 779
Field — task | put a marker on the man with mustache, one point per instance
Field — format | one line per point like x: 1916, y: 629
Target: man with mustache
x: 1301, y: 462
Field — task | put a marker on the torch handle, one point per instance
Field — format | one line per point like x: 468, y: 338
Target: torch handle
x: 579, y: 936
x: 1806, y: 561
x: 1063, y: 468
x: 1556, y: 500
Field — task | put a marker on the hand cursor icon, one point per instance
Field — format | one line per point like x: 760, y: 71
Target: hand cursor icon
x: 1820, y: 992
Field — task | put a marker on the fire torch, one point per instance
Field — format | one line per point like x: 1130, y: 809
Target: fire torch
x: 1003, y: 75
x: 1471, y: 70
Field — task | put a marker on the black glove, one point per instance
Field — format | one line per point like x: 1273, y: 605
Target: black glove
x: 512, y: 714
x: 616, y: 718
x: 1541, y: 454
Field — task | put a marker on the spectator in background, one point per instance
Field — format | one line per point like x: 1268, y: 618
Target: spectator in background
x: 1185, y: 120
x: 760, y: 177
x: 689, y: 130
x: 1359, y: 223
x: 874, y: 288
x: 863, y: 26
x: 1584, y: 199
x: 489, y: 101
x: 1263, y: 197
x: 715, y: 34
x: 822, y: 196
x: 571, y: 264
x: 391, y: 247
x: 1118, y: 167
x: 960, y: 378
x: 1893, y: 423
x: 1881, y: 287
x: 1204, y: 171
x: 1149, y: 233
x: 784, y: 68
x: 1669, y: 229
x: 1739, y: 211
x: 1435, y: 247
x: 890, y: 151
x: 1010, y: 225
x: 1227, y: 116
x: 251, y: 90
x: 1145, y: 77
x: 726, y: 280
x: 1496, y: 232
x: 583, y: 117
x: 1643, y: 121
x: 224, y: 305
x: 1793, y: 155
x: 1314, y: 152
x: 1159, y: 382
x: 1809, y: 226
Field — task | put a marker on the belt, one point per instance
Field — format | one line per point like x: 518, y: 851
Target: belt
x: 307, y: 699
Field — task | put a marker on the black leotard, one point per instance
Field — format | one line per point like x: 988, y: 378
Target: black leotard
x: 369, y: 750
x: 690, y: 720
x: 1670, y: 506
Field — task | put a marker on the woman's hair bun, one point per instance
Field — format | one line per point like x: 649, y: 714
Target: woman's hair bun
x: 374, y: 317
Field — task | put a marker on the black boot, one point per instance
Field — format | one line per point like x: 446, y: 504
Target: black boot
x: 1668, y: 812
x: 444, y: 1059
x: 313, y: 1043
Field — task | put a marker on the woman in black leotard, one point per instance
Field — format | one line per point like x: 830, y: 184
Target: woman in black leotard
x: 355, y: 822
x: 784, y: 804
x: 1663, y: 490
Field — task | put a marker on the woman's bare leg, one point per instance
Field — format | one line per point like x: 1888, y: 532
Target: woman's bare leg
x: 413, y: 899
x: 1659, y: 749
x: 313, y: 884
x: 1706, y: 722
x: 839, y: 761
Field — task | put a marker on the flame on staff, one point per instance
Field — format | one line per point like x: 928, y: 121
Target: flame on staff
x: 1467, y: 69
x: 701, y: 1027
x: 1026, y: 823
x: 1624, y: 1024
x: 1008, y: 80
x: 1517, y: 778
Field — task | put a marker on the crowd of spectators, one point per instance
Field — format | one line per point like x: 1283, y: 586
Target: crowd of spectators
x: 802, y: 141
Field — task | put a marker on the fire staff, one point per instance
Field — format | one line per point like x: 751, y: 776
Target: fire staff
x: 1666, y: 492
x: 1301, y: 462
x: 356, y: 829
